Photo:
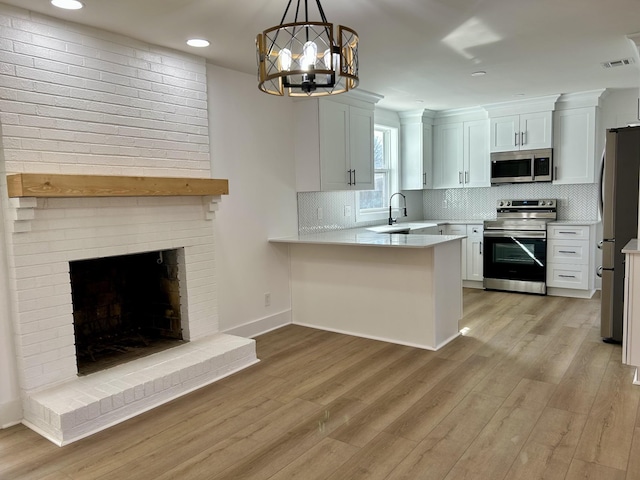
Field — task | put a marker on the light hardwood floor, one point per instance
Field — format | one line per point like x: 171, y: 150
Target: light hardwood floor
x: 529, y: 392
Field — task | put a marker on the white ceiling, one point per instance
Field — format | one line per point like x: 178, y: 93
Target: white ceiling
x: 417, y: 53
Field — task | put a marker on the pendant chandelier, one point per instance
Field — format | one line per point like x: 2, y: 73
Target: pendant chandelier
x: 303, y: 58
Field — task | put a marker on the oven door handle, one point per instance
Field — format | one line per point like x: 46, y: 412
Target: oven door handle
x: 514, y: 234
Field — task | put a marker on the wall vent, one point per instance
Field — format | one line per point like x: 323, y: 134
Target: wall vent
x: 617, y: 63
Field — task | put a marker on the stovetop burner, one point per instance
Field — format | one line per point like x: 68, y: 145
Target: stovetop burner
x: 523, y: 214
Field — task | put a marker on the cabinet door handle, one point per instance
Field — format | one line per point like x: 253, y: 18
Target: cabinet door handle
x: 569, y: 233
x: 349, y: 177
x: 480, y: 248
x: 515, y: 139
x: 354, y: 176
x: 567, y: 276
x: 523, y: 138
x: 566, y: 251
x: 424, y: 178
x: 460, y: 178
x: 466, y: 176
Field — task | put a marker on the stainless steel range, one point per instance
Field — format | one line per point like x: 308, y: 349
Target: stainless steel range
x: 515, y: 246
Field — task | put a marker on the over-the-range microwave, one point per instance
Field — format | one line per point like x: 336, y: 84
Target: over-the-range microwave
x: 522, y: 166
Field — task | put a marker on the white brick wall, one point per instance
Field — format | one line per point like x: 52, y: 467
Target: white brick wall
x: 64, y: 230
x: 79, y: 100
x: 74, y: 99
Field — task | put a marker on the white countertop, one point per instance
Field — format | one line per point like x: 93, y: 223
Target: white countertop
x: 362, y: 237
x: 633, y: 246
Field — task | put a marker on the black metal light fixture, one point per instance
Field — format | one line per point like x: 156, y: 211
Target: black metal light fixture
x: 303, y: 58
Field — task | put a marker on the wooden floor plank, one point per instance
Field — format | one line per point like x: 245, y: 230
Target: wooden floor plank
x: 549, y: 450
x: 318, y: 463
x: 375, y: 460
x: 493, y: 451
x: 434, y: 457
x: 580, y: 470
x: 608, y: 434
x: 578, y: 388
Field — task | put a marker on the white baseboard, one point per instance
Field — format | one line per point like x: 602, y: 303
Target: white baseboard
x: 262, y: 325
x: 10, y: 414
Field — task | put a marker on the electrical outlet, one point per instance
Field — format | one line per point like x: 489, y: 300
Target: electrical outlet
x: 347, y: 210
x: 267, y: 299
x: 320, y: 213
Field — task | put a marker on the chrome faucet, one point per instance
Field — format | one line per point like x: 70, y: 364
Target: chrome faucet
x: 394, y: 220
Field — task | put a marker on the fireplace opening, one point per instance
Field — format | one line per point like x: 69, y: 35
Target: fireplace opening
x: 125, y: 307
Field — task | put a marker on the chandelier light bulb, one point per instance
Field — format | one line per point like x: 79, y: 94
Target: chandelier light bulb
x: 309, y: 55
x: 284, y: 59
x: 327, y: 60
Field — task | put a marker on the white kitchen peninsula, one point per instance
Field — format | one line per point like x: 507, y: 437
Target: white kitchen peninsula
x: 405, y: 289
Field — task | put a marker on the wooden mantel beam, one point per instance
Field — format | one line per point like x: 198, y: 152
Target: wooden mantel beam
x: 60, y: 186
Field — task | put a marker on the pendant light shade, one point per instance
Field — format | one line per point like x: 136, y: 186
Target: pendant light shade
x: 304, y: 58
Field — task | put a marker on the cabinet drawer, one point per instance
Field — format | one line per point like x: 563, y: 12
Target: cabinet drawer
x: 568, y: 276
x: 577, y: 232
x: 456, y: 229
x: 568, y: 251
x: 474, y: 230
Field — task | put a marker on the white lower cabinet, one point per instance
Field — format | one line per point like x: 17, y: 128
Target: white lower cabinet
x: 471, y: 254
x: 571, y: 259
x: 474, y: 253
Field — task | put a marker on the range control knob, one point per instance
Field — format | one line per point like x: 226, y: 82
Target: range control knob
x: 501, y: 203
x: 508, y: 203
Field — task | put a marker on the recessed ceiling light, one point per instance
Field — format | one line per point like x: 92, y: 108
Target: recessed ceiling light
x: 198, y: 42
x: 67, y: 4
x: 479, y: 73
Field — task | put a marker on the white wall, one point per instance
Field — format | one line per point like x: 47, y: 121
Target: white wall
x: 250, y: 134
x: 619, y: 108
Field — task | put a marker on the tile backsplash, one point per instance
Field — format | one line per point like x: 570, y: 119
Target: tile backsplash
x: 575, y: 202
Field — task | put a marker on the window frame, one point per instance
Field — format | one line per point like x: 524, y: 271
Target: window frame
x: 392, y: 154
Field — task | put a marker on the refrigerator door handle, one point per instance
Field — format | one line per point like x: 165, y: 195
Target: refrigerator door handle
x: 601, y: 189
x: 602, y: 269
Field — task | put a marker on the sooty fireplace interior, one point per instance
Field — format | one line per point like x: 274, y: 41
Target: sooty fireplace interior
x: 125, y: 307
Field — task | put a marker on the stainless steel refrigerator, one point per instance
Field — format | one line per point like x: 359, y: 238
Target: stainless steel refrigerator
x: 619, y: 187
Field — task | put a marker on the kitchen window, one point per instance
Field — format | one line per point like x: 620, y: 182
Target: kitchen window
x: 374, y: 204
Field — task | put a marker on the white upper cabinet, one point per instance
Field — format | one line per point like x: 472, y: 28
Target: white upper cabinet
x: 477, y: 164
x: 448, y: 151
x: 577, y: 150
x: 521, y: 132
x: 416, y: 144
x: 522, y: 125
x: 461, y: 152
x: 334, y: 142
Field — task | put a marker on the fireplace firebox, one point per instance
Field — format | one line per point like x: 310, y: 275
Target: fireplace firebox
x: 125, y: 307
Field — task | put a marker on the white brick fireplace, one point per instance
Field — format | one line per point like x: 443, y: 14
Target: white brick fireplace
x: 47, y: 235
x: 77, y: 100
